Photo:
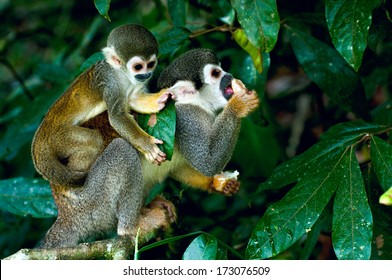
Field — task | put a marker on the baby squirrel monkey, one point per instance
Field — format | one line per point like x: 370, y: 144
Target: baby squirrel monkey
x: 209, y: 106
x: 63, y: 150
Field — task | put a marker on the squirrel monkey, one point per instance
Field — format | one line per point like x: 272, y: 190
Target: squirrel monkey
x: 209, y: 105
x: 63, y: 150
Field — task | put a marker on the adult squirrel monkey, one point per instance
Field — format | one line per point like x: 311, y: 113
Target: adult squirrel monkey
x: 63, y: 150
x: 209, y: 106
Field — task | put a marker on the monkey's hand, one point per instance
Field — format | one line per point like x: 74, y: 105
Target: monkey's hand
x: 149, y: 103
x: 243, y: 101
x: 226, y: 183
x: 154, y: 154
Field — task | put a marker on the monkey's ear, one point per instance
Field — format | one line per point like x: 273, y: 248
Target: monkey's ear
x: 111, y: 57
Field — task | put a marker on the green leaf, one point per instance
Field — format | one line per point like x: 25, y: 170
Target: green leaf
x: 302, y: 165
x: 293, y: 216
x: 348, y: 23
x: 352, y: 218
x: 312, y: 236
x: 255, y: 54
x: 94, y: 58
x: 354, y: 128
x: 162, y: 126
x: 53, y: 73
x: 334, y: 141
x: 203, y: 247
x: 330, y: 72
x: 221, y: 254
x: 176, y: 238
x: 381, y: 155
x: 382, y: 218
x: 177, y: 12
x: 22, y: 196
x: 172, y: 39
x: 260, y: 21
x: 103, y: 8
x: 249, y: 75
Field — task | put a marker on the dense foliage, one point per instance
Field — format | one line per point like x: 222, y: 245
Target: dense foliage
x: 313, y: 161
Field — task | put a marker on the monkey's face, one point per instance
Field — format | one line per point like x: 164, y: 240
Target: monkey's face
x: 140, y: 69
x: 219, y: 83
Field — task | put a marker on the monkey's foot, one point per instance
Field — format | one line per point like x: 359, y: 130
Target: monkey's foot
x: 158, y: 215
x: 168, y: 206
x: 226, y: 183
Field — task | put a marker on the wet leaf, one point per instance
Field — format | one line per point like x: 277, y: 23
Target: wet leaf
x: 27, y: 196
x: 203, y: 247
x: 334, y: 141
x: 172, y: 39
x: 94, y: 58
x: 260, y: 21
x: 352, y: 218
x: 103, y: 8
x: 381, y: 155
x: 293, y: 216
x: 324, y: 66
x: 348, y: 23
x: 354, y: 128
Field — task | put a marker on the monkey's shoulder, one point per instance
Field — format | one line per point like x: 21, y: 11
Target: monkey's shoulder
x: 190, y: 119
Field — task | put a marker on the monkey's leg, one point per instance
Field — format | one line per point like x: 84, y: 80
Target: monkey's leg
x: 115, y: 183
x: 149, y: 103
x: 79, y: 146
x: 61, y: 234
x: 190, y: 176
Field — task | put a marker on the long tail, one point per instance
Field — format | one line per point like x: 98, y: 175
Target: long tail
x: 49, y: 166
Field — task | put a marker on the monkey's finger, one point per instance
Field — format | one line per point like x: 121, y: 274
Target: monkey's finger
x: 164, y: 97
x: 157, y: 141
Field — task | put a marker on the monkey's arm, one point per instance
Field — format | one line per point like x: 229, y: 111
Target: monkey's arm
x: 206, y: 143
x: 191, y: 177
x: 127, y: 127
x: 149, y: 103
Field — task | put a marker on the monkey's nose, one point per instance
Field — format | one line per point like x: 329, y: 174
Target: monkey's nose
x: 143, y: 77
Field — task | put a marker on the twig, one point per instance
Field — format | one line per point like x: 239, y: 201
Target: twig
x: 222, y: 28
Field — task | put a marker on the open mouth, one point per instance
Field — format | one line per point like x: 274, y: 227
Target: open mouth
x: 228, y: 92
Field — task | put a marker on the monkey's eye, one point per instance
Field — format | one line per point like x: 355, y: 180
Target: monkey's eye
x: 138, y: 67
x: 215, y: 73
x: 151, y: 64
